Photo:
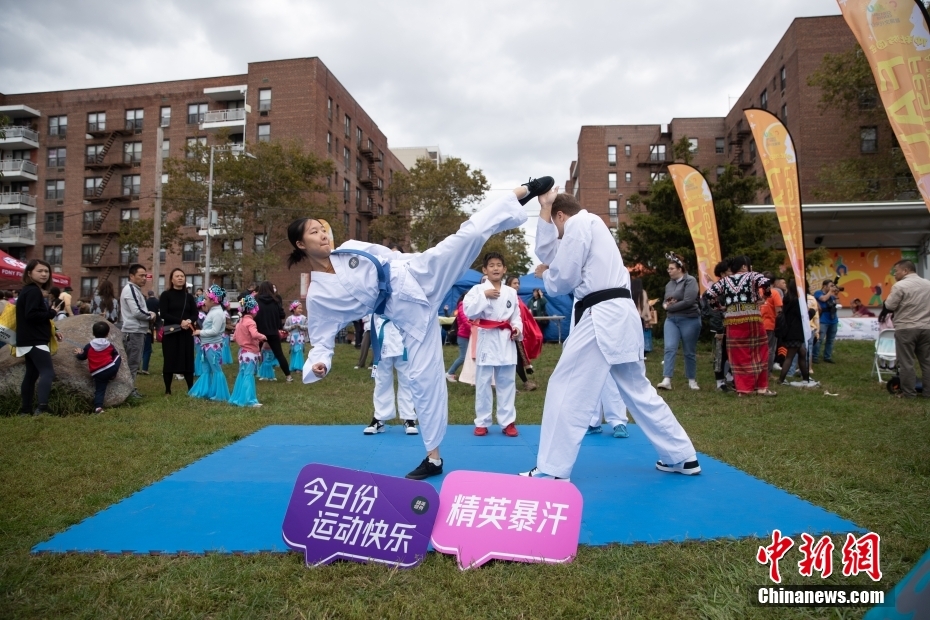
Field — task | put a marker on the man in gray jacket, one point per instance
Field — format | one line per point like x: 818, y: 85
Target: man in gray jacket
x: 136, y: 317
x: 909, y: 300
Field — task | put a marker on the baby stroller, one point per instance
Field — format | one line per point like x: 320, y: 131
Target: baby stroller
x: 886, y: 361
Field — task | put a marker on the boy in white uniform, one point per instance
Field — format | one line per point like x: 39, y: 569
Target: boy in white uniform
x: 580, y: 255
x: 495, y: 308
x: 612, y: 410
x: 406, y: 288
x: 393, y: 357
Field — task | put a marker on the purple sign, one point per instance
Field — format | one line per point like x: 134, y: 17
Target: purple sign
x: 337, y: 513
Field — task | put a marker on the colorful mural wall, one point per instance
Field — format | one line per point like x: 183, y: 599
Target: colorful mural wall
x: 865, y: 273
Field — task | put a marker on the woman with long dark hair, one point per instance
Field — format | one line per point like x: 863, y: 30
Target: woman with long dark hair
x: 269, y: 320
x: 105, y: 303
x: 33, y: 333
x: 790, y: 331
x: 178, y: 309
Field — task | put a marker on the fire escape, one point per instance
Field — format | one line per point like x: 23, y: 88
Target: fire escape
x: 371, y: 181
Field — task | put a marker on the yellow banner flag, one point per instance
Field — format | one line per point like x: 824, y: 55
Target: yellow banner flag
x: 698, y: 205
x: 896, y: 40
x: 780, y: 162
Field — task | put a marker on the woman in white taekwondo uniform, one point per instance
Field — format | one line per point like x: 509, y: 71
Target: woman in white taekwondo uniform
x: 580, y: 256
x: 360, y: 278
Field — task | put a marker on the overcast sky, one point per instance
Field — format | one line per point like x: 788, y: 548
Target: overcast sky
x: 505, y: 85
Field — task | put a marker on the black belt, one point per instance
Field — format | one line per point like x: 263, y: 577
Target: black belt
x: 592, y: 299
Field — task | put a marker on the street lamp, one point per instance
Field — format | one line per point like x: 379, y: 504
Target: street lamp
x: 213, y: 149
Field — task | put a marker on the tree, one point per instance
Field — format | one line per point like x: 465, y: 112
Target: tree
x: 254, y: 197
x: 658, y: 226
x: 848, y: 86
x: 428, y: 202
x: 511, y: 244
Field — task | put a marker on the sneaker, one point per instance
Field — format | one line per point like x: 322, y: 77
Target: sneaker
x: 179, y: 377
x: 811, y: 383
x: 537, y: 187
x: 510, y: 430
x: 688, y: 468
x: 290, y: 379
x: 410, y: 427
x: 776, y: 366
x: 135, y: 394
x: 535, y: 473
x: 355, y: 367
x: 425, y: 470
x: 529, y: 370
x: 665, y: 384
x: 376, y: 426
x: 481, y: 431
x: 142, y: 372
x: 593, y: 430
x: 620, y: 432
x: 451, y: 379
x: 693, y: 384
x: 529, y: 386
x: 257, y: 405
x: 98, y: 410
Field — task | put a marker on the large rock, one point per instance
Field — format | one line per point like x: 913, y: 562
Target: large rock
x: 71, y: 374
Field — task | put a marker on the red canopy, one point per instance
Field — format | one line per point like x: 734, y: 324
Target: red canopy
x: 11, y: 272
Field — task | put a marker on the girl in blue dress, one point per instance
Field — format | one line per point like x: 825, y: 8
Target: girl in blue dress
x: 212, y: 383
x: 296, y: 328
x: 250, y: 342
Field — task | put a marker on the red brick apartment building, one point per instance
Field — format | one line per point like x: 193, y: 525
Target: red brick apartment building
x: 76, y: 163
x: 616, y: 161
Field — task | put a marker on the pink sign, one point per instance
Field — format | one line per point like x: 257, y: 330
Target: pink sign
x: 484, y: 516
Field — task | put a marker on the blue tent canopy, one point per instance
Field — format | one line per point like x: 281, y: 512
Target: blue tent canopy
x: 560, y: 305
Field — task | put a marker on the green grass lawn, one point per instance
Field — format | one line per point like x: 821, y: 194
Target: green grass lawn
x: 861, y: 454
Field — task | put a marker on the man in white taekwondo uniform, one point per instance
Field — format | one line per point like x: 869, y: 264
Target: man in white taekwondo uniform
x: 393, y: 356
x: 345, y: 286
x: 580, y: 256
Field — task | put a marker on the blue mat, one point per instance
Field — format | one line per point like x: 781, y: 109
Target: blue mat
x: 234, y: 500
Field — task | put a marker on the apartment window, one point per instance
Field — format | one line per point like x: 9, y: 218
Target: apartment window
x: 129, y: 215
x: 132, y: 184
x: 92, y: 185
x: 165, y: 148
x: 128, y: 254
x: 868, y: 139
x: 259, y: 241
x: 345, y: 156
x: 134, y: 120
x: 692, y: 145
x: 264, y: 133
x: 88, y: 287
x: 54, y: 221
x: 381, y: 159
x: 752, y: 150
x: 612, y: 155
x: 193, y: 145
x: 628, y: 177
x: 784, y: 113
x: 191, y: 251
x: 196, y: 112
x: 345, y: 190
x: 164, y: 179
x: 92, y: 152
x: 358, y: 137
x: 165, y: 116
x: 90, y: 219
x: 89, y: 253
x: 358, y: 197
x: 329, y: 108
x: 53, y: 254
x: 132, y: 152
x: 56, y: 157
x: 96, y: 121
x: 58, y: 126
x: 720, y: 171
x: 329, y: 142
x: 55, y: 189
x: 233, y: 246
x: 264, y: 99
x: 162, y: 257
x: 764, y: 100
x: 348, y: 126
x: 657, y: 176
x: 656, y: 152
x: 612, y: 181
x: 345, y: 221
x: 627, y: 150
x: 612, y: 208
x: 718, y: 145
x: 784, y: 78
x: 358, y: 228
x: 358, y: 167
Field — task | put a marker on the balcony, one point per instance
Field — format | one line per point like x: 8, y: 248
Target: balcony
x: 99, y: 129
x: 18, y: 170
x: 95, y: 162
x: 17, y: 202
x: 221, y: 119
x: 91, y: 197
x: 18, y: 138
x: 17, y: 236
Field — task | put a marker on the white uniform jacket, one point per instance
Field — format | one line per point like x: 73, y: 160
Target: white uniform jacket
x: 586, y: 260
x: 393, y: 343
x: 495, y: 347
x: 333, y: 300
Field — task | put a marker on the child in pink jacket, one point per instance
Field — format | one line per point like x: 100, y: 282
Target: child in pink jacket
x: 250, y: 342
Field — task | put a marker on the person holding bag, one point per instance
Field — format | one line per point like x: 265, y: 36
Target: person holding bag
x: 178, y: 310
x: 34, y: 318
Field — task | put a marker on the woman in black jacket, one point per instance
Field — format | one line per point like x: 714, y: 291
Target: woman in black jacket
x: 790, y: 331
x: 178, y: 307
x: 33, y: 334
x: 270, y: 320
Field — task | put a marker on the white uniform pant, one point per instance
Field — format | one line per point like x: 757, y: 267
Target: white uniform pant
x: 505, y: 379
x: 574, y: 393
x: 436, y: 270
x: 611, y: 408
x: 383, y: 397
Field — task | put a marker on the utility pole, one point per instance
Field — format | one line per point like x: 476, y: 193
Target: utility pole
x: 206, y: 267
x: 156, y: 234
